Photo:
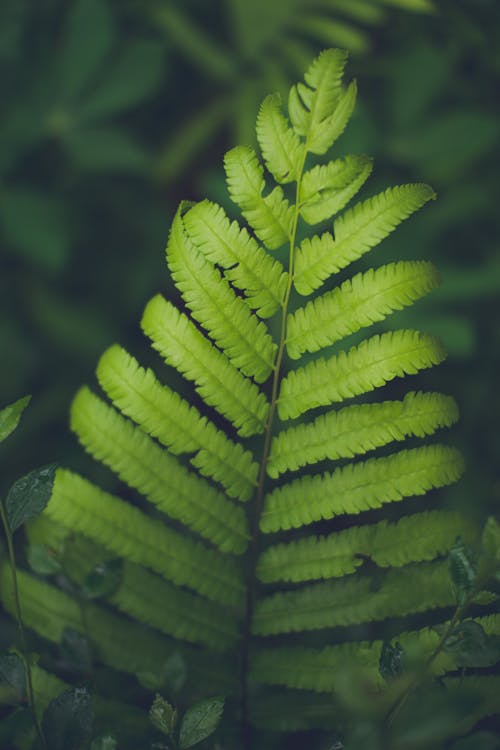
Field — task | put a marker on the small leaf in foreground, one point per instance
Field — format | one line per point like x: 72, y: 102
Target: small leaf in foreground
x: 10, y: 416
x: 104, y: 743
x: 29, y: 495
x: 390, y: 664
x: 200, y: 721
x: 67, y: 722
x: 42, y: 560
x: 472, y: 646
x: 163, y: 716
x: 104, y: 579
x: 12, y: 673
x: 462, y: 570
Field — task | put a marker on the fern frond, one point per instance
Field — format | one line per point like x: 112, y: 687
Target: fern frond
x: 358, y: 429
x: 128, y: 533
x: 246, y: 264
x: 157, y: 475
x: 355, y: 233
x: 184, y: 616
x: 373, y: 363
x: 326, y: 188
x: 313, y: 668
x: 359, y: 302
x: 356, y: 599
x: 163, y: 414
x: 414, y: 538
x: 269, y: 216
x: 48, y: 611
x: 281, y: 147
x: 217, y: 381
x: 214, y: 305
x: 357, y: 487
x: 320, y: 110
x: 187, y: 617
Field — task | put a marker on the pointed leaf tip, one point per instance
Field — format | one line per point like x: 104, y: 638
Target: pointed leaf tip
x: 10, y: 416
x: 29, y: 495
x: 200, y: 721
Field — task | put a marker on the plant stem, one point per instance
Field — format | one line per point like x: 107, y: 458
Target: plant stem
x: 22, y: 635
x: 260, y: 492
x: 457, y: 616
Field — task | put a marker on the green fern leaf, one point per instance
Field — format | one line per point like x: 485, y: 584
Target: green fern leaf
x: 356, y: 599
x: 129, y: 533
x: 355, y: 233
x: 246, y: 265
x: 146, y: 467
x: 218, y: 382
x: 163, y: 414
x: 185, y: 541
x: 357, y: 487
x: 359, y: 302
x: 326, y: 189
x: 357, y: 429
x: 415, y: 538
x: 270, y: 216
x: 363, y: 368
x: 216, y: 307
x: 281, y: 147
x: 320, y: 109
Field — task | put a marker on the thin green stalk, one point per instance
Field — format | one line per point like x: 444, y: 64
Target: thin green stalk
x: 259, y: 496
x: 400, y: 702
x: 22, y: 635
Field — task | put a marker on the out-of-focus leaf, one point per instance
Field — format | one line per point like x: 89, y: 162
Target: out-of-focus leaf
x: 13, y: 674
x: 107, y: 742
x: 131, y: 78
x: 104, y: 579
x: 422, y: 6
x: 76, y: 329
x: 75, y: 651
x: 475, y: 283
x: 471, y: 646
x: 417, y: 81
x: 35, y: 226
x: 42, y: 560
x: 462, y: 570
x: 456, y: 331
x: 450, y: 143
x: 198, y: 46
x: 163, y: 716
x: 200, y: 721
x: 107, y: 149
x: 10, y: 416
x: 88, y: 39
x: 29, y: 495
x: 183, y: 145
x: 335, y: 33
x: 67, y: 722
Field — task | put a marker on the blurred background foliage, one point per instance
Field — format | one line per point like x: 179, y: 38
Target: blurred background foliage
x: 113, y: 111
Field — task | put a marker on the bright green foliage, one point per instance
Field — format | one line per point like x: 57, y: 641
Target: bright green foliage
x: 187, y: 541
x: 357, y: 429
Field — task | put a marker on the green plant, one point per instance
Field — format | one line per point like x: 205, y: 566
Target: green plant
x: 244, y: 49
x: 251, y: 504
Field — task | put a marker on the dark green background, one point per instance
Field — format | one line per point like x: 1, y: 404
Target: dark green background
x: 113, y: 111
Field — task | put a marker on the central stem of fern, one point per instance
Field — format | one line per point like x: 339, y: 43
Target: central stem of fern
x: 259, y: 495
